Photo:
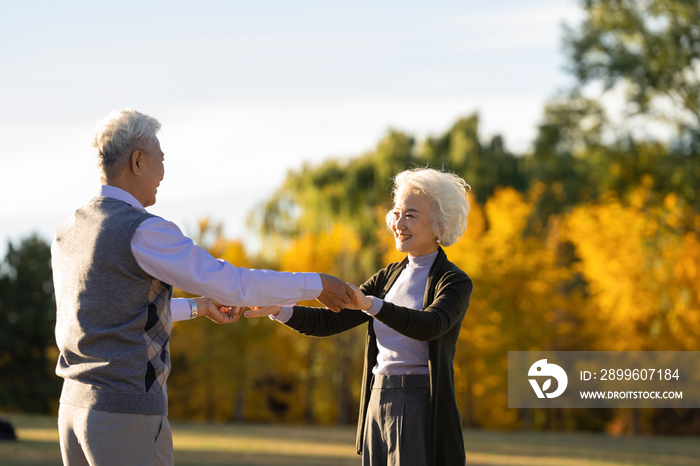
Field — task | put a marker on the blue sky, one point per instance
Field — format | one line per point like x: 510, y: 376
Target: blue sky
x: 248, y: 90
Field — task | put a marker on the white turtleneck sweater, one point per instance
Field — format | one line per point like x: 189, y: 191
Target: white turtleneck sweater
x: 399, y: 354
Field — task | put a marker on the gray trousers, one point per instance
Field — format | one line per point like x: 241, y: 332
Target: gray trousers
x: 396, y: 428
x: 97, y: 438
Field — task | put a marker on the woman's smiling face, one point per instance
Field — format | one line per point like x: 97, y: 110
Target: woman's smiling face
x: 411, y: 224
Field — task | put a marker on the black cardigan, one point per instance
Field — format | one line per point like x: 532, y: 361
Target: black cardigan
x: 446, y: 300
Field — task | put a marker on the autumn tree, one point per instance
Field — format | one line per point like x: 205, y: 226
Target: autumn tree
x: 641, y: 272
x: 328, y: 370
x: 520, y: 303
x: 214, y: 367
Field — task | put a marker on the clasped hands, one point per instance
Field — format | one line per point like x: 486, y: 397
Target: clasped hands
x: 217, y: 312
x: 336, y: 295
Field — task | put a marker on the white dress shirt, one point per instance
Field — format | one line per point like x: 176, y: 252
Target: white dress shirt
x: 165, y: 253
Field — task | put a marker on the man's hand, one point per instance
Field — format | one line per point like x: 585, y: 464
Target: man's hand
x: 336, y: 294
x: 216, y: 311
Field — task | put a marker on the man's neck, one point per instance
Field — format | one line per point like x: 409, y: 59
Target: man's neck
x: 124, y: 185
x: 115, y: 192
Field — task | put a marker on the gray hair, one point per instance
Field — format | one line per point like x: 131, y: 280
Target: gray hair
x: 118, y: 135
x: 448, y: 202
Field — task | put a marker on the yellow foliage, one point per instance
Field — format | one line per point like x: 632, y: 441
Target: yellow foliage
x: 328, y: 370
x: 516, y: 303
x: 641, y: 272
x: 326, y: 252
x: 231, y: 251
x: 507, y: 214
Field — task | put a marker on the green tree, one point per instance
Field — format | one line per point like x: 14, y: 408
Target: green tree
x: 484, y: 166
x: 651, y: 50
x: 569, y: 158
x: 651, y: 46
x: 27, y: 321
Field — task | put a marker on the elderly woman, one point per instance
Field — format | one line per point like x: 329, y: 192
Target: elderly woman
x: 414, y: 310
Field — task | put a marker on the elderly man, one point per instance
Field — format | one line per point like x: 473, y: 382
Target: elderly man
x: 114, y: 268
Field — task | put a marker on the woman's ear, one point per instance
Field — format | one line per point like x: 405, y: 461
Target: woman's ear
x: 441, y: 232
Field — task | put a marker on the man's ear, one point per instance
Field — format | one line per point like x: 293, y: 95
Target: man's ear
x: 136, y: 159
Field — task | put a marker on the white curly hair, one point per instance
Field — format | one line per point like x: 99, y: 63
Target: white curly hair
x: 448, y: 201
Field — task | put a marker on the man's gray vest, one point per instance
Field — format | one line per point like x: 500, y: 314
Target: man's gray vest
x: 113, y: 319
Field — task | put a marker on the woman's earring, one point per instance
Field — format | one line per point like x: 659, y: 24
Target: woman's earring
x: 438, y: 241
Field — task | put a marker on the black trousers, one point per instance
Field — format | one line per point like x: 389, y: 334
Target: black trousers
x: 396, y: 428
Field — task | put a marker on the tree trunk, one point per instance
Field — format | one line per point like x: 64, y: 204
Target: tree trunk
x: 239, y: 403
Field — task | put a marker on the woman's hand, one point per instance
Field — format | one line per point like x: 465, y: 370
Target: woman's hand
x: 363, y: 302
x: 262, y: 311
x: 216, y: 311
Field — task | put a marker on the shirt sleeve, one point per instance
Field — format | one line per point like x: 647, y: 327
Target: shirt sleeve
x: 165, y: 253
x: 180, y: 309
x: 283, y: 315
x: 375, y: 307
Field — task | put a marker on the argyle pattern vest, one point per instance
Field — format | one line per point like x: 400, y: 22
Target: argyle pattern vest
x: 113, y: 319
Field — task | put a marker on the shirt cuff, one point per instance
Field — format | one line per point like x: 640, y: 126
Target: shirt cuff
x: 375, y: 307
x: 283, y: 315
x: 314, y: 287
x: 180, y: 309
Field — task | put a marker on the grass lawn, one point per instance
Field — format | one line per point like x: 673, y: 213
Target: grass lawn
x: 258, y: 445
